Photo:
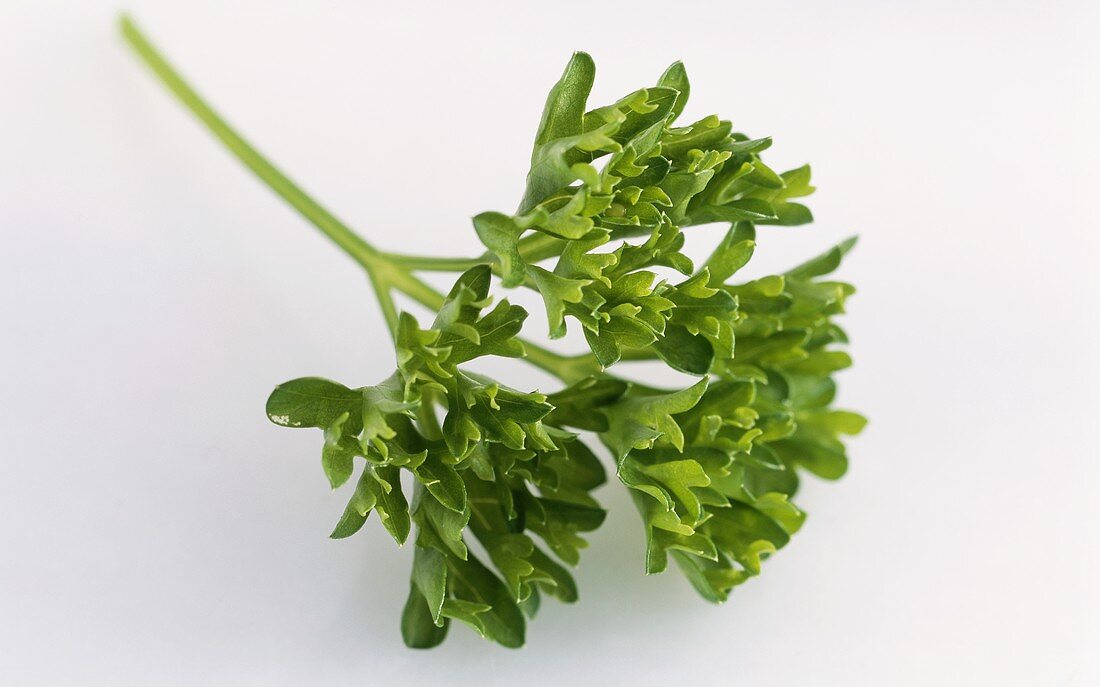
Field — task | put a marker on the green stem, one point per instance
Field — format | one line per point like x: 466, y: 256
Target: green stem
x: 426, y: 263
x: 539, y: 246
x: 386, y: 270
x: 568, y: 369
x: 353, y: 244
x: 385, y: 301
x: 532, y: 248
x: 416, y: 289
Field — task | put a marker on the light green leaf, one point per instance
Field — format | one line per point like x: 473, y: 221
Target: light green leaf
x: 637, y: 420
x: 565, y: 105
x: 732, y: 253
x: 338, y: 455
x: 675, y: 77
x: 824, y: 263
x: 556, y: 292
x: 500, y: 234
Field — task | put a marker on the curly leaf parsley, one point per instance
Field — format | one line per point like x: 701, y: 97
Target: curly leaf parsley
x: 712, y: 467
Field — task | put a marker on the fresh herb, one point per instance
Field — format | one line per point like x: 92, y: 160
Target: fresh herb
x: 712, y: 467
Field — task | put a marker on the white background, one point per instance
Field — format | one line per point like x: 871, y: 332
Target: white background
x: 155, y: 529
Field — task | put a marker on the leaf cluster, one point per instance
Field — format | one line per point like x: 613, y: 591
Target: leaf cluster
x: 712, y: 467
x: 624, y: 171
x: 492, y: 468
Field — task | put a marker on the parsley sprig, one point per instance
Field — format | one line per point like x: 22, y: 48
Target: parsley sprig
x: 712, y: 467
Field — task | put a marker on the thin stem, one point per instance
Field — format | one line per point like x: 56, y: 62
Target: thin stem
x: 385, y: 301
x: 568, y: 369
x: 353, y: 244
x: 427, y: 263
x: 533, y: 248
x: 539, y: 246
x: 415, y: 289
x: 386, y: 270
